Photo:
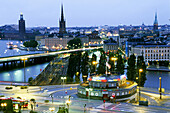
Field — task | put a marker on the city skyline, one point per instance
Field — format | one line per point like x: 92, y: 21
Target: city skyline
x: 85, y: 13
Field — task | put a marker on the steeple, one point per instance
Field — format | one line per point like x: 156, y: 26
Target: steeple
x: 62, y: 13
x: 156, y: 20
x: 155, y: 25
x: 62, y: 22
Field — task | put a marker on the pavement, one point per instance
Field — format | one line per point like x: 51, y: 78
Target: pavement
x: 92, y: 106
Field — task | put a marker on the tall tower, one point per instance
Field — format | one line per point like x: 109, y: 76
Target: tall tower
x: 62, y: 22
x: 21, y: 26
x: 155, y: 25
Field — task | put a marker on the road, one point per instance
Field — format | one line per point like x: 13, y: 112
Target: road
x: 77, y: 104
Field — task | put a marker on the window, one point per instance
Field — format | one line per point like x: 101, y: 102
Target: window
x: 117, y: 94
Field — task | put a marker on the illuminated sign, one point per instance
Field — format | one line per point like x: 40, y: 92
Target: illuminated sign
x: 98, y: 78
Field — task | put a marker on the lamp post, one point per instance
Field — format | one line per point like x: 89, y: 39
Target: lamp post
x: 160, y: 89
x: 139, y: 78
x: 24, y: 59
x: 113, y: 59
x: 51, y: 108
x: 94, y: 63
x: 63, y: 78
x: 3, y: 105
x: 68, y: 103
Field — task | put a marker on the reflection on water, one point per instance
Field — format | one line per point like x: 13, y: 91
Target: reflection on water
x: 18, y: 74
x: 153, y: 79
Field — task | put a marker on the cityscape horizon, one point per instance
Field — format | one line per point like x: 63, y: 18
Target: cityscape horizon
x: 102, y: 13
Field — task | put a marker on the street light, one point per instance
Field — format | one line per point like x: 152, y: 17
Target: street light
x: 94, y: 63
x: 52, y: 108
x: 63, y: 78
x: 113, y: 59
x: 160, y: 89
x: 68, y: 103
x: 24, y: 58
x: 3, y: 105
x: 139, y: 78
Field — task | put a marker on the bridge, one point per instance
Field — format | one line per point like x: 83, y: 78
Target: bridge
x: 37, y: 58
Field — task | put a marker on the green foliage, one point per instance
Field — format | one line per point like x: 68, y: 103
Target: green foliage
x: 141, y: 65
x: 46, y: 101
x: 131, y: 69
x: 33, y: 111
x: 71, y: 70
x: 102, y: 64
x: 93, y: 67
x: 30, y: 80
x: 69, y: 80
x: 31, y: 43
x: 74, y: 66
x: 120, y: 65
x: 78, y: 65
x: 33, y: 100
x: 85, y: 65
x: 24, y: 87
x: 74, y: 43
x: 111, y: 62
x: 8, y: 87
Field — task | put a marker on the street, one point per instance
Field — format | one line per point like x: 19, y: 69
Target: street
x: 77, y: 105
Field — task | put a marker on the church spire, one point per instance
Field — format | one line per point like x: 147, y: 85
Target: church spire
x: 62, y: 22
x: 156, y: 20
x: 62, y: 13
x: 155, y: 25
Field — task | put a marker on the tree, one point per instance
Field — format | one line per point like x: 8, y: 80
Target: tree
x: 85, y: 65
x: 71, y: 70
x: 141, y: 65
x: 74, y: 43
x: 111, y: 62
x: 30, y: 80
x: 78, y: 65
x: 131, y: 68
x: 102, y: 64
x: 120, y: 65
x: 31, y: 43
x: 93, y: 66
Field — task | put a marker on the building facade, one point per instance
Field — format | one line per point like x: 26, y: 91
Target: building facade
x: 56, y: 43
x: 22, y: 26
x: 110, y: 45
x: 152, y: 52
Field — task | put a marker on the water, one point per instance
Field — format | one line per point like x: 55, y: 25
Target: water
x: 32, y: 71
x: 17, y: 75
x: 4, y: 52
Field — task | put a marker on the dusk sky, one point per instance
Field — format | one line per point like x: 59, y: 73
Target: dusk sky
x: 85, y: 12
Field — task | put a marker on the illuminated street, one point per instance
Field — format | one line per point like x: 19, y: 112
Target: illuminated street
x: 77, y: 104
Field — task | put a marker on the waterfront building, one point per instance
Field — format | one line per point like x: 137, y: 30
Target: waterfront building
x: 108, y: 87
x: 22, y: 34
x: 56, y: 42
x: 22, y: 27
x: 110, y: 45
x: 152, y: 52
